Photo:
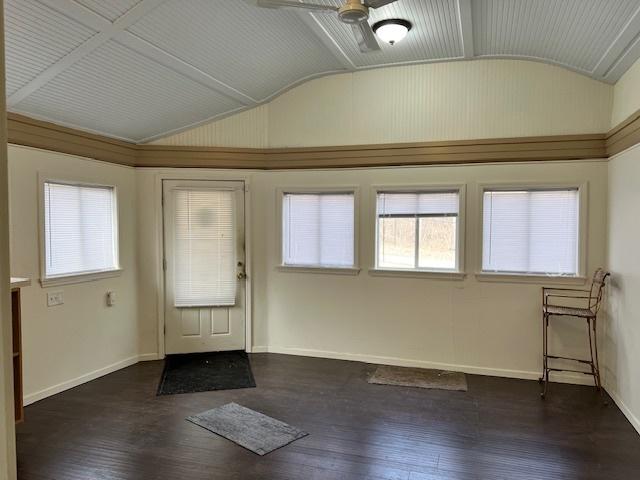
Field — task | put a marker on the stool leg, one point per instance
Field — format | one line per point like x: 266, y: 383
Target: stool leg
x: 593, y: 363
x: 541, y: 379
x: 597, y: 364
x: 545, y: 346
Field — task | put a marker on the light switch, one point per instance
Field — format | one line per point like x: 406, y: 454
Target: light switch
x: 54, y: 298
x: 111, y: 299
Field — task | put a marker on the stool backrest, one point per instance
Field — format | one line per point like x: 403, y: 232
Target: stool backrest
x: 597, y: 289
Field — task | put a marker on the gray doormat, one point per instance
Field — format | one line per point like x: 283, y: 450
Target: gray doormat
x: 202, y: 372
x: 419, y: 377
x: 248, y: 428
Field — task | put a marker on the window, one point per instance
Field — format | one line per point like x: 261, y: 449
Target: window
x: 204, y: 248
x: 418, y: 230
x: 318, y: 229
x: 80, y: 230
x: 531, y: 231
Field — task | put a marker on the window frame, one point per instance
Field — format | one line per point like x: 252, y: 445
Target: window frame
x: 349, y: 270
x: 76, y: 277
x: 444, y: 274
x: 583, y: 208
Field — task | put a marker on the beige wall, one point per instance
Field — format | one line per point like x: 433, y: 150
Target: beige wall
x: 7, y: 430
x: 248, y: 129
x: 470, y: 325
x: 74, y: 342
x: 622, y: 339
x: 440, y: 101
x: 475, y: 326
x: 626, y: 96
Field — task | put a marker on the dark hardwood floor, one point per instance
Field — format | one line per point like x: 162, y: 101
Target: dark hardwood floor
x: 116, y: 428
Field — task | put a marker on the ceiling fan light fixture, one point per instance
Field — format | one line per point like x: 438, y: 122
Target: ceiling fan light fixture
x: 392, y: 30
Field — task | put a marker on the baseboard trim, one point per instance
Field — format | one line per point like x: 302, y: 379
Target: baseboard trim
x: 404, y: 362
x: 633, y: 420
x: 87, y: 377
x: 357, y: 357
x: 148, y: 357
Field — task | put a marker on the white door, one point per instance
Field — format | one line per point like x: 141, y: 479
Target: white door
x: 204, y: 266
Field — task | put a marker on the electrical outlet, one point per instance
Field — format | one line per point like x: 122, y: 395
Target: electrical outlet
x: 111, y: 299
x: 54, y: 298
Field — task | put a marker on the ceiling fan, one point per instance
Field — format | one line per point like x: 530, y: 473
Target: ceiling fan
x: 352, y: 12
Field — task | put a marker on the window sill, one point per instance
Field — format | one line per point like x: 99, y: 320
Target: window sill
x: 528, y: 278
x: 436, y: 274
x: 79, y: 278
x: 310, y: 269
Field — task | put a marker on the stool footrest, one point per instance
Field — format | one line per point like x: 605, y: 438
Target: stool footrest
x: 588, y: 362
x: 569, y: 370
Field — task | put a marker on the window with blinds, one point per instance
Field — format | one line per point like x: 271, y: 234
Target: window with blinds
x: 318, y: 229
x: 417, y: 230
x: 531, y: 231
x: 80, y: 229
x: 204, y: 248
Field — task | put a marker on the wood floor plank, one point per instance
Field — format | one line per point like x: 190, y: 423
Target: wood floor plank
x: 116, y: 428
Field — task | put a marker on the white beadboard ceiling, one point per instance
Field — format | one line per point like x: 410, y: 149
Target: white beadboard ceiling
x: 140, y: 69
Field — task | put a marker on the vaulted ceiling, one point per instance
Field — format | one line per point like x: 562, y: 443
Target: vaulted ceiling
x: 139, y: 69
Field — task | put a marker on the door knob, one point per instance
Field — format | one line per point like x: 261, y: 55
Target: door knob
x: 241, y: 274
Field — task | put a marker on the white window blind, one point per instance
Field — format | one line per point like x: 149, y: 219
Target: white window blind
x: 531, y: 232
x: 318, y: 229
x: 417, y: 230
x: 80, y: 229
x: 205, y: 248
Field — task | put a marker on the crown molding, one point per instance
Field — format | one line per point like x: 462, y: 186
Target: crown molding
x: 200, y: 157
x: 23, y: 130
x: 30, y: 132
x: 624, y: 135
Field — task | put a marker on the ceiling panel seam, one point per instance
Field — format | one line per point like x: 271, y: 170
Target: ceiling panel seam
x: 100, y: 38
x: 214, y: 118
x: 74, y: 126
x: 106, y: 31
x: 79, y: 13
x: 624, y: 62
x: 548, y: 61
x: 465, y: 22
x: 618, y: 48
x: 327, y: 40
x: 166, y: 59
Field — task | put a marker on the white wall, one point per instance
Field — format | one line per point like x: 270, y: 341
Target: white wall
x: 440, y: 101
x: 475, y: 326
x: 622, y: 342
x: 74, y: 342
x: 622, y: 326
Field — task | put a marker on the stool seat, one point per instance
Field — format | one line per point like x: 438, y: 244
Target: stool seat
x: 570, y: 311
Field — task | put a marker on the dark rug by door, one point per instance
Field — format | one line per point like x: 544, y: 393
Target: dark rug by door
x: 202, y: 372
x: 419, y: 377
x: 249, y: 429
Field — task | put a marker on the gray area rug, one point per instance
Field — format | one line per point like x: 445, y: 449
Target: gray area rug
x: 419, y: 377
x: 248, y: 428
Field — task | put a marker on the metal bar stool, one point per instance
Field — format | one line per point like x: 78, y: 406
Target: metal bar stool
x: 592, y: 302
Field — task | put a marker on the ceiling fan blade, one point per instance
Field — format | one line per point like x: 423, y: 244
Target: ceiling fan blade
x: 296, y: 4
x: 365, y: 37
x: 377, y: 3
